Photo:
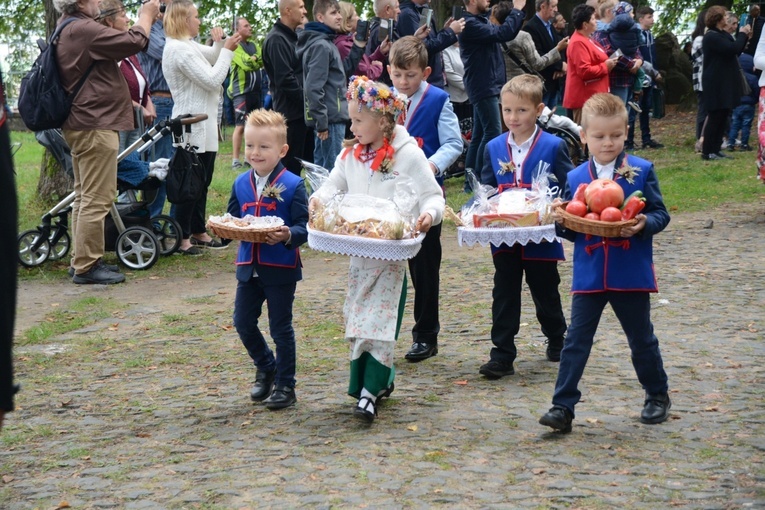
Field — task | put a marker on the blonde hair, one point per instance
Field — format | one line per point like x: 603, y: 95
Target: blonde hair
x: 525, y: 86
x: 606, y: 7
x: 347, y: 10
x: 389, y: 122
x: 175, y: 20
x: 603, y: 105
x: 271, y: 120
x: 408, y: 51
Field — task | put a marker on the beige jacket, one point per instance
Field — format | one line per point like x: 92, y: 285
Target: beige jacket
x: 523, y: 49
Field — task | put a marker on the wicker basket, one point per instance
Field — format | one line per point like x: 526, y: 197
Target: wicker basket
x: 593, y: 227
x: 240, y: 234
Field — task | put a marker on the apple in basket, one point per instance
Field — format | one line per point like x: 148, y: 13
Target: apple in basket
x: 602, y: 193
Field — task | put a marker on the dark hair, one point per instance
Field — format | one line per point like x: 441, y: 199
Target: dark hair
x: 501, y: 11
x: 581, y: 14
x: 643, y: 11
x: 324, y: 6
x: 700, y: 26
x: 715, y: 15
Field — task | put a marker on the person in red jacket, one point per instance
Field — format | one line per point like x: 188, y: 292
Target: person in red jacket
x: 588, y: 63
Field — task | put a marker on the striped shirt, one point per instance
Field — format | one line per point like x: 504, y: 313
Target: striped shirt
x: 151, y: 59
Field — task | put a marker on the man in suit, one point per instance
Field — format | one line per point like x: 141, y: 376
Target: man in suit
x: 545, y: 39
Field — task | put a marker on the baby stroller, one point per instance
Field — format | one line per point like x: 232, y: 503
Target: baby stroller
x: 137, y: 239
x: 565, y: 129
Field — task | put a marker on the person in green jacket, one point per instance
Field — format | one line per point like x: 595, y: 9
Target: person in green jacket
x: 246, y: 83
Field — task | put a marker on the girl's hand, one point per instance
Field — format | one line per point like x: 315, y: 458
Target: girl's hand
x: 424, y: 222
x: 634, y: 229
x: 217, y: 34
x: 279, y: 236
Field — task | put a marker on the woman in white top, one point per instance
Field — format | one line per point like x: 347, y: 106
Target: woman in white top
x: 194, y: 73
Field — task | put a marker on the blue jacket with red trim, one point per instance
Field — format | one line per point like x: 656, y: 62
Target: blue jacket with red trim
x: 280, y: 263
x: 617, y: 263
x: 545, y: 148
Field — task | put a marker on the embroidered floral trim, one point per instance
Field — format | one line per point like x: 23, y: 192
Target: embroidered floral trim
x: 628, y: 172
x: 508, y: 167
x: 274, y: 191
x: 382, y: 158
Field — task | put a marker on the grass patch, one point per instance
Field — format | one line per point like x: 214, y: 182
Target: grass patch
x: 81, y: 313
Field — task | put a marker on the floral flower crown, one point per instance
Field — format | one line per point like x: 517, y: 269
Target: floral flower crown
x: 377, y: 97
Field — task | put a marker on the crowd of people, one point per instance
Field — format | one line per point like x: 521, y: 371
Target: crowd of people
x: 379, y: 100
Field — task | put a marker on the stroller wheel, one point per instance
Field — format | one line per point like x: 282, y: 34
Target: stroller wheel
x: 137, y: 248
x: 59, y: 247
x: 168, y: 233
x: 33, y: 248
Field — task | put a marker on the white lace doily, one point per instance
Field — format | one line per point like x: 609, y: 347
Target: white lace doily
x: 355, y: 246
x: 496, y: 236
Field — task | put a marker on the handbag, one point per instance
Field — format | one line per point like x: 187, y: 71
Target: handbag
x: 746, y: 90
x: 657, y: 103
x: 185, y: 176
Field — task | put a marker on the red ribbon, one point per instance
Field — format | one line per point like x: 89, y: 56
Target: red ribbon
x: 380, y: 155
x: 623, y: 243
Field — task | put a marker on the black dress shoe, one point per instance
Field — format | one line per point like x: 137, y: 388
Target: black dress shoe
x: 559, y: 418
x: 264, y: 382
x: 420, y: 351
x: 365, y: 410
x: 496, y: 369
x: 281, y: 397
x: 656, y: 408
x: 553, y: 350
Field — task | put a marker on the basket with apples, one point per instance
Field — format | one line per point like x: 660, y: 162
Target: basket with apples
x: 599, y: 208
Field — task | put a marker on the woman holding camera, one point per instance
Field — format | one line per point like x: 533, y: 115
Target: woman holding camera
x: 195, y: 73
x: 369, y: 66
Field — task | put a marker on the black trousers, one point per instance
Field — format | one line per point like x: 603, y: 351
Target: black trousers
x: 8, y: 264
x: 192, y: 215
x: 425, y: 269
x: 714, y: 130
x: 543, y: 280
x: 300, y: 141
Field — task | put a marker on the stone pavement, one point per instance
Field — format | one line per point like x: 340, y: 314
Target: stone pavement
x: 147, y: 409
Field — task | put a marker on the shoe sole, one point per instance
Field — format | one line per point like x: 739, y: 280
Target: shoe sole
x: 555, y: 425
x: 493, y: 374
x: 419, y: 357
x: 85, y: 281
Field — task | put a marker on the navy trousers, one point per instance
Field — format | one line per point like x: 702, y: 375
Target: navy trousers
x: 425, y: 269
x: 633, y: 309
x: 248, y: 307
x: 543, y: 280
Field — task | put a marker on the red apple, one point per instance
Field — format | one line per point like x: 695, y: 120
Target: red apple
x: 602, y: 193
x: 611, y: 214
x: 577, y: 208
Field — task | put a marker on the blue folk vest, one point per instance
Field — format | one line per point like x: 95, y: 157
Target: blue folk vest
x: 544, y: 148
x: 245, y: 188
x: 613, y: 263
x: 422, y: 122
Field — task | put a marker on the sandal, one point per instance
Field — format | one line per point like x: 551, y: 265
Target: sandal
x: 386, y: 393
x: 362, y: 410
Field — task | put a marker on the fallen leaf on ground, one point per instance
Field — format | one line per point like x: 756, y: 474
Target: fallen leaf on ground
x: 461, y: 383
x: 591, y: 420
x: 8, y: 478
x: 538, y: 471
x: 413, y: 428
x: 63, y: 504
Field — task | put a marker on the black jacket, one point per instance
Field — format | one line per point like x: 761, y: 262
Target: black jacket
x: 284, y: 70
x: 544, y: 44
x: 436, y: 42
x: 721, y: 77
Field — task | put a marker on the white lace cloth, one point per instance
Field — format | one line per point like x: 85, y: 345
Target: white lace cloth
x: 355, y: 246
x: 496, y: 236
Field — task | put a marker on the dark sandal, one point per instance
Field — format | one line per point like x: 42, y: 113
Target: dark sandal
x: 362, y: 410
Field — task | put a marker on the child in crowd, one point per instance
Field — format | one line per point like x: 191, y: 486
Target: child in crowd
x: 324, y: 81
x: 269, y: 271
x: 743, y: 114
x: 430, y: 119
x: 509, y: 163
x: 618, y: 271
x: 382, y: 155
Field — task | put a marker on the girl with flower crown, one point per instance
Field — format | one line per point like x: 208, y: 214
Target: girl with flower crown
x: 381, y: 155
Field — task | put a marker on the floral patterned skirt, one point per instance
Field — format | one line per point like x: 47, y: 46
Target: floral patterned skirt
x: 373, y: 309
x: 761, y: 137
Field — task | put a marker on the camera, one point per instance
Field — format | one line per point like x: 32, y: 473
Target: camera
x: 162, y: 7
x: 362, y: 30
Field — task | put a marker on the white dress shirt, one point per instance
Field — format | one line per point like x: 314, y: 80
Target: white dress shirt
x: 605, y: 171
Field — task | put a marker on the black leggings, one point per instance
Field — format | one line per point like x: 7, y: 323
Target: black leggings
x: 191, y: 216
x: 714, y: 131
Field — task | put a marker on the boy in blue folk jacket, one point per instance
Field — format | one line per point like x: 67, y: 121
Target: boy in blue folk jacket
x: 509, y: 162
x: 269, y: 271
x: 616, y: 270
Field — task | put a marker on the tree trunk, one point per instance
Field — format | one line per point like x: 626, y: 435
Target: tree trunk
x: 54, y: 183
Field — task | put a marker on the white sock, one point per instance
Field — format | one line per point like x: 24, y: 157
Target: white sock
x: 366, y: 394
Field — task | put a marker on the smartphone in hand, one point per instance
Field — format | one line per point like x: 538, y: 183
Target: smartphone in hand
x: 615, y: 55
x: 385, y: 31
x: 362, y: 30
x: 456, y: 12
x: 426, y: 16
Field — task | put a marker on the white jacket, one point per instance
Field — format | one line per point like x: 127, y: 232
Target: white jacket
x: 195, y: 73
x: 759, y: 58
x: 354, y: 176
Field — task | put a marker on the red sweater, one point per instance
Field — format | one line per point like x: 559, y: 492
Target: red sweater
x: 587, y: 72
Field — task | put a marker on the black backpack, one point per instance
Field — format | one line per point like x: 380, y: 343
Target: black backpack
x: 43, y: 101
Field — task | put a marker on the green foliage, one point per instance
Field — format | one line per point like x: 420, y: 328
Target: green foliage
x: 682, y: 13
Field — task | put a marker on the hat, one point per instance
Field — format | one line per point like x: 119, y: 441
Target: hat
x: 622, y: 8
x: 377, y: 97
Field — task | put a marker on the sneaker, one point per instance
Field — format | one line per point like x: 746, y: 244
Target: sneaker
x: 496, y: 369
x: 635, y: 106
x: 236, y: 164
x: 109, y: 267
x: 745, y: 147
x: 652, y: 144
x: 212, y: 244
x: 98, y: 274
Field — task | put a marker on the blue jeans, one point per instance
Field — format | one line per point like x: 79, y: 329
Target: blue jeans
x: 163, y: 148
x: 486, y: 127
x: 624, y: 93
x: 248, y: 307
x: 646, y: 102
x: 325, y: 152
x: 633, y: 309
x: 741, y: 120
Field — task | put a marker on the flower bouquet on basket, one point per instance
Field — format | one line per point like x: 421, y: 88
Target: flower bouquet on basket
x: 599, y: 208
x: 362, y: 225
x: 510, y: 214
